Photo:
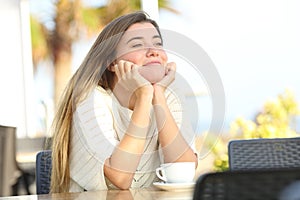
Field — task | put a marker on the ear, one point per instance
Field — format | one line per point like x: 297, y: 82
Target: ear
x: 111, y: 67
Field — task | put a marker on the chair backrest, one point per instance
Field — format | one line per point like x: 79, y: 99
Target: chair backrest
x: 9, y: 170
x: 43, y: 171
x: 255, y: 185
x: 255, y: 154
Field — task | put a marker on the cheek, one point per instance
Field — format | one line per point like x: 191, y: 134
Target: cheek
x: 164, y: 57
x: 133, y: 57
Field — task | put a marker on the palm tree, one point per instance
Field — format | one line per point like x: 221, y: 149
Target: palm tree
x: 71, y: 18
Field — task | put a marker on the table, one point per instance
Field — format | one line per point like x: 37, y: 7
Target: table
x: 135, y: 194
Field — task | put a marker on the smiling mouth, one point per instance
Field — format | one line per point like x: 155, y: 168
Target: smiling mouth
x: 152, y: 63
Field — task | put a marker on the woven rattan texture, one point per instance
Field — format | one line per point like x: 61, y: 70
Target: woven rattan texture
x: 244, y: 185
x: 43, y: 172
x: 264, y: 154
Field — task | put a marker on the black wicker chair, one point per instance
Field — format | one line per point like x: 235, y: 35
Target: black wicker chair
x: 43, y: 171
x: 281, y: 184
x: 256, y: 154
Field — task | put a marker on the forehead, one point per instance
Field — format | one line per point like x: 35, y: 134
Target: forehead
x: 144, y: 29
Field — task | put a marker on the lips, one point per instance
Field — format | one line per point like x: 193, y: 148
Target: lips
x: 153, y: 63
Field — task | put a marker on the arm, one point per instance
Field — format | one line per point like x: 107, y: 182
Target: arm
x: 121, y: 166
x: 174, y: 146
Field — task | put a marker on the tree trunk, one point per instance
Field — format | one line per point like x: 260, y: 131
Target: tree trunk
x: 61, y: 46
x: 62, y: 74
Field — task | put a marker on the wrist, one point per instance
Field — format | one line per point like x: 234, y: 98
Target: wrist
x: 143, y: 99
x: 144, y: 92
x: 159, y: 98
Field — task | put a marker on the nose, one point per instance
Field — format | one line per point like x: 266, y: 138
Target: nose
x: 152, y: 52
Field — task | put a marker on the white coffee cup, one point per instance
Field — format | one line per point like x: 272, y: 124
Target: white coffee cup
x: 178, y: 172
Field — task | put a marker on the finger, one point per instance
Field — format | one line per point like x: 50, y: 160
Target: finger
x: 127, y: 66
x: 171, y: 66
x: 135, y: 69
x: 121, y: 68
x: 117, y: 71
x: 168, y: 79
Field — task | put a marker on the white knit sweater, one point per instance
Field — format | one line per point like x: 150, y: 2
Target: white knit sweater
x: 99, y: 123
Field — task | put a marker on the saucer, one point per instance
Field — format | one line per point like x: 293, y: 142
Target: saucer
x: 174, y: 186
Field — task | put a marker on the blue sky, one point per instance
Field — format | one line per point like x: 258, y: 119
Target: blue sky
x: 254, y: 45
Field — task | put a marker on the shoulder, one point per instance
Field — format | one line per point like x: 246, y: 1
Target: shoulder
x: 98, y: 98
x: 98, y: 94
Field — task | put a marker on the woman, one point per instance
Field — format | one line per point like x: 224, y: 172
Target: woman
x: 113, y: 126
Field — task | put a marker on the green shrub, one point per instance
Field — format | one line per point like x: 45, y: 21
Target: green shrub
x: 276, y: 120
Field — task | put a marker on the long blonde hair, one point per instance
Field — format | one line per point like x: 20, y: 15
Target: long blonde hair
x: 92, y: 72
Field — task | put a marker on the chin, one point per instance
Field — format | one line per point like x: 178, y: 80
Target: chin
x: 152, y: 73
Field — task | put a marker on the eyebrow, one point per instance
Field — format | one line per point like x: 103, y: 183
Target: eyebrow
x: 139, y: 38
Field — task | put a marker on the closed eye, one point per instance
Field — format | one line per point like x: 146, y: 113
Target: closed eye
x: 137, y: 45
x: 158, y: 44
x: 157, y: 41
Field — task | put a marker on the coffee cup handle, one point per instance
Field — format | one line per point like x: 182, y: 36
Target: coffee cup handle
x: 160, y: 174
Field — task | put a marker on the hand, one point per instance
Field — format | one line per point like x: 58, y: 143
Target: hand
x: 130, y: 82
x: 169, y: 77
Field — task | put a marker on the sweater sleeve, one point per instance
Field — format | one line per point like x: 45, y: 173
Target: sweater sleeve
x: 92, y: 141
